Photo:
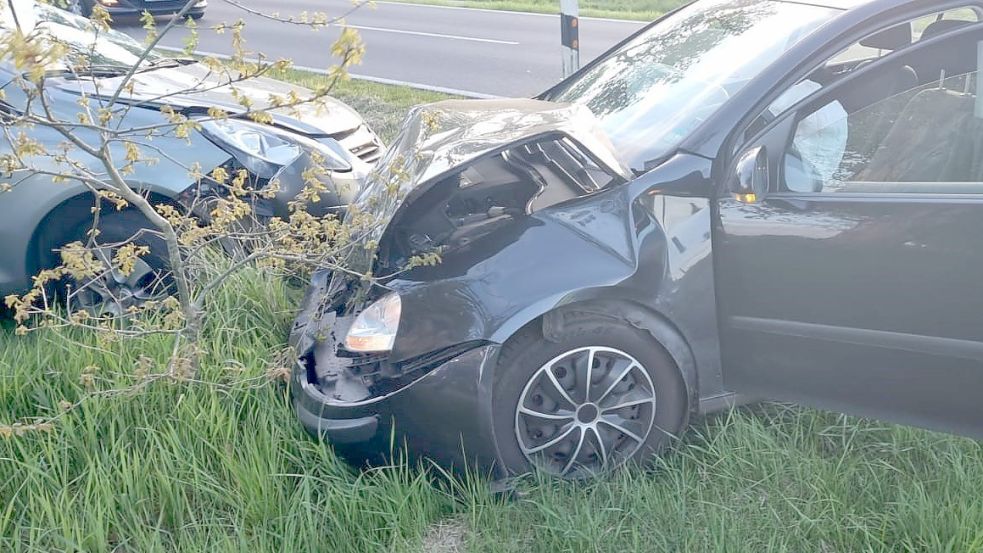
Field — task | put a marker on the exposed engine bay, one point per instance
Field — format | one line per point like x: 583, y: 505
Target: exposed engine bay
x: 458, y: 174
x: 474, y: 200
x: 491, y: 192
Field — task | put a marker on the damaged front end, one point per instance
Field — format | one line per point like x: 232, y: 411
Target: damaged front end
x: 460, y: 169
x: 462, y: 182
x: 354, y: 398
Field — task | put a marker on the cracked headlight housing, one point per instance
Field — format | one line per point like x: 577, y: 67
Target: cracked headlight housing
x: 374, y: 329
x: 263, y: 150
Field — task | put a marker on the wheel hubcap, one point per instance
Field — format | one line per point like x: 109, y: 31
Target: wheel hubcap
x: 584, y: 412
x: 587, y: 413
x: 112, y: 293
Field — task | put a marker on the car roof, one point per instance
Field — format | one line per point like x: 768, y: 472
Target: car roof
x: 847, y: 5
x: 837, y: 4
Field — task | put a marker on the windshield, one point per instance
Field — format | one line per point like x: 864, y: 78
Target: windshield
x: 656, y: 89
x: 88, y: 46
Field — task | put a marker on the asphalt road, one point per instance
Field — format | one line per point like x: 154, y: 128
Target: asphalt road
x: 475, y: 51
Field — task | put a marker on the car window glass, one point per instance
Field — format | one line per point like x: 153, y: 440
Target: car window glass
x: 864, y: 52
x: 887, y: 41
x: 872, y: 136
x: 656, y: 89
x: 929, y: 26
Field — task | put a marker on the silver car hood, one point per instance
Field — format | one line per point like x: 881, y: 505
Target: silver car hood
x: 195, y: 86
x: 438, y: 138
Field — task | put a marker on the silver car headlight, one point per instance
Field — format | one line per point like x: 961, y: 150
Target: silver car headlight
x: 374, y: 329
x: 264, y: 150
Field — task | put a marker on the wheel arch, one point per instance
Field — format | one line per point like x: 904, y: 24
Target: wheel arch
x: 634, y: 313
x: 61, y: 223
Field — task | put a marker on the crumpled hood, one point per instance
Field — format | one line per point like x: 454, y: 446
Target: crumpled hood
x: 437, y: 138
x: 195, y: 86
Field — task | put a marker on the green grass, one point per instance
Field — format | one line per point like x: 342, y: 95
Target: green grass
x: 779, y: 480
x: 187, y: 467
x: 641, y: 10
x: 225, y: 466
x: 383, y: 106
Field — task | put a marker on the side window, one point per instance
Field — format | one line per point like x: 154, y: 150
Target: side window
x: 866, y: 51
x: 937, y: 23
x: 869, y: 49
x: 872, y: 135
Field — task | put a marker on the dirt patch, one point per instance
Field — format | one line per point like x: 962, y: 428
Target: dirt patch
x: 446, y: 536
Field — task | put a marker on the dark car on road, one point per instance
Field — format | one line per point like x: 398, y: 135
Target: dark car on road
x: 746, y: 199
x: 135, y: 8
x: 41, y: 213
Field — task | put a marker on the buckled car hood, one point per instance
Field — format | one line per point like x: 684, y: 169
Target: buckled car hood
x: 195, y: 86
x: 441, y: 139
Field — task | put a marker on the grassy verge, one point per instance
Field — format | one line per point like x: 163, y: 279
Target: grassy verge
x: 224, y: 466
x: 196, y: 467
x: 639, y: 10
x: 383, y: 106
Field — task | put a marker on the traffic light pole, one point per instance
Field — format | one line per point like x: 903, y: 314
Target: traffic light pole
x: 570, y: 36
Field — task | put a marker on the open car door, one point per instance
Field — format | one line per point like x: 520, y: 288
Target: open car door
x: 853, y: 281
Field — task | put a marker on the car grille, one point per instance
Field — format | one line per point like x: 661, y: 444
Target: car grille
x: 176, y: 5
x: 361, y: 142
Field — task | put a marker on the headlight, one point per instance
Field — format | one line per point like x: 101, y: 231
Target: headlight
x: 264, y: 150
x: 375, y: 328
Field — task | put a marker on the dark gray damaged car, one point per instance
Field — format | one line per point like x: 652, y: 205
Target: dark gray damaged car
x: 674, y: 225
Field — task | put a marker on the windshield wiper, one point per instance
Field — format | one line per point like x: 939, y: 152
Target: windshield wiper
x: 88, y: 71
x: 106, y: 70
x: 168, y: 62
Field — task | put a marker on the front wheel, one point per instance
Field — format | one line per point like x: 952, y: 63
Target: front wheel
x: 112, y: 293
x: 600, y: 395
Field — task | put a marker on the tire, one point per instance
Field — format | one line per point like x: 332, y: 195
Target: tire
x: 652, y: 390
x: 112, y: 293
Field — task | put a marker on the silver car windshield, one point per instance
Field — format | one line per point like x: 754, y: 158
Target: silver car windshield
x: 655, y: 90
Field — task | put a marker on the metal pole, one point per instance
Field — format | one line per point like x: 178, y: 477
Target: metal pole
x: 570, y: 36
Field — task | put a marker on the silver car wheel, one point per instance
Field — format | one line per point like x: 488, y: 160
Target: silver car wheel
x: 112, y: 293
x: 585, y: 412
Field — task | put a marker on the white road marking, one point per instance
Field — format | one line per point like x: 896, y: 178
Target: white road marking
x: 435, y: 35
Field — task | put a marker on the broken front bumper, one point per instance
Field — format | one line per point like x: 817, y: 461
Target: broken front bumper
x: 423, y: 411
x: 157, y: 8
x: 438, y: 408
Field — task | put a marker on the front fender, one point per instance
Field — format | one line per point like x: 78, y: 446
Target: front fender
x: 505, y: 279
x: 637, y: 251
x: 27, y: 206
x: 34, y: 196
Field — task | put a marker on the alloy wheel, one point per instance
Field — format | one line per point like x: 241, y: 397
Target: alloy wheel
x: 585, y: 412
x: 112, y: 293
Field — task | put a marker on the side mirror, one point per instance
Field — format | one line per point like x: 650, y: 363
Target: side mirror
x: 750, y: 179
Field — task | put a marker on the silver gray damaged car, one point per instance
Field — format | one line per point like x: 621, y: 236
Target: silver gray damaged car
x: 38, y: 215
